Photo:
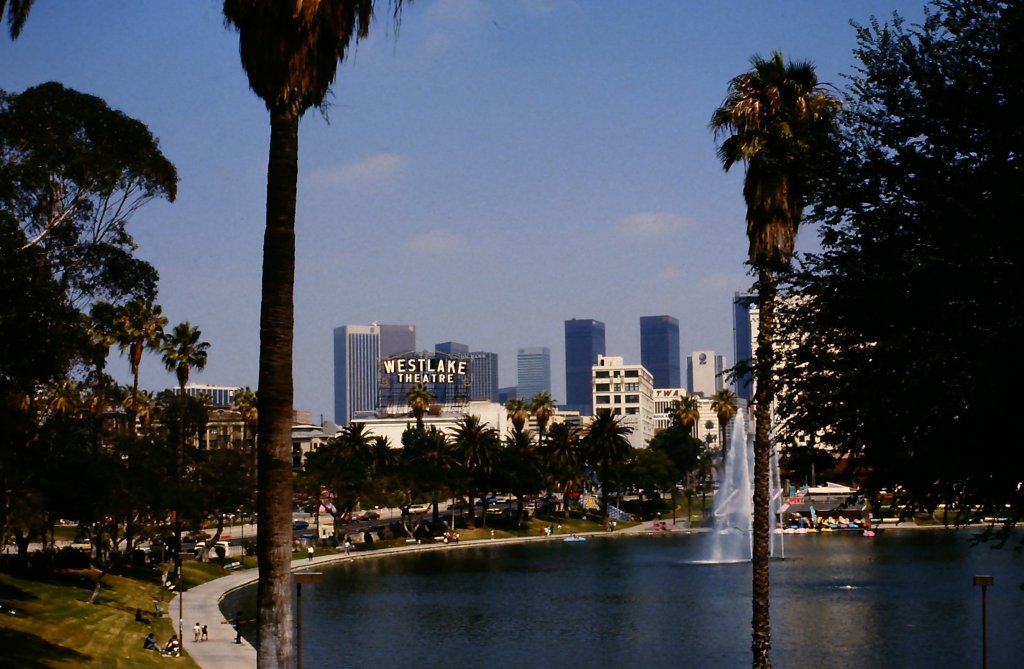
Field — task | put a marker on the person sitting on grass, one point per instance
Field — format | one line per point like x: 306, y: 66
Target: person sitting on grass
x: 150, y: 643
x: 173, y: 646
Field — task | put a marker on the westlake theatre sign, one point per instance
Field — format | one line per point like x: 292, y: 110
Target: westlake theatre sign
x: 425, y: 370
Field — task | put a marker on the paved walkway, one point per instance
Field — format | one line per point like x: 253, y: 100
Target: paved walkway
x: 202, y: 603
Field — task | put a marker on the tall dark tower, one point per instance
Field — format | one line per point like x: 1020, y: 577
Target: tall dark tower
x: 744, y: 330
x: 659, y: 349
x: 584, y: 341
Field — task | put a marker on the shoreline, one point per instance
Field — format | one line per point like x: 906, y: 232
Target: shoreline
x: 202, y: 603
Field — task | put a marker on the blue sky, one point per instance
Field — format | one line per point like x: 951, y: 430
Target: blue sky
x: 493, y: 169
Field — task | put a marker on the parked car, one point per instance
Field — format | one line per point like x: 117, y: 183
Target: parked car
x: 299, y: 524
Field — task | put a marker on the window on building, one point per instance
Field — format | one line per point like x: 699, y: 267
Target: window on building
x: 601, y: 375
x: 632, y: 372
x: 618, y: 399
x: 602, y: 387
x: 602, y: 399
x: 632, y: 411
x: 632, y: 386
x: 617, y: 387
x: 632, y: 399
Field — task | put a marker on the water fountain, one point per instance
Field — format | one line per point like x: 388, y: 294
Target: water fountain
x: 731, y: 539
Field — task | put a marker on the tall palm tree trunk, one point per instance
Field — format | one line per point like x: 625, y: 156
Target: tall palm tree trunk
x: 275, y: 644
x: 763, y: 395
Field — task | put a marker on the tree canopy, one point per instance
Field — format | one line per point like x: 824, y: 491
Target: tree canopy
x: 902, y: 343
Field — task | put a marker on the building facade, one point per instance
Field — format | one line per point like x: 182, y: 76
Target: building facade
x: 659, y: 349
x: 534, y: 371
x: 584, y: 342
x: 627, y: 391
x: 704, y: 373
x: 358, y: 350
x: 744, y: 331
x: 483, y: 374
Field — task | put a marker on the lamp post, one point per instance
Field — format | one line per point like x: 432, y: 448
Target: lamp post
x: 312, y: 578
x: 984, y: 582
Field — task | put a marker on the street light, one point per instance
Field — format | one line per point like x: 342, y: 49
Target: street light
x: 312, y: 578
x: 984, y: 582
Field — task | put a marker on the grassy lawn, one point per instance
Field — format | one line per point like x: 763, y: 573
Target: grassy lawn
x: 47, y: 623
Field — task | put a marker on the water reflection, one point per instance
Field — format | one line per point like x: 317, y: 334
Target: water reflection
x: 902, y: 599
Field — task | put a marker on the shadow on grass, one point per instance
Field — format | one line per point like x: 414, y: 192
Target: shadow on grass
x: 21, y: 649
x: 12, y: 593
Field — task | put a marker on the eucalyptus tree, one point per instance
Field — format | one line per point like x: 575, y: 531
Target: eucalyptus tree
x: 776, y: 119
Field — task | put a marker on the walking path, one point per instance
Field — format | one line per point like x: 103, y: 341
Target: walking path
x: 202, y: 603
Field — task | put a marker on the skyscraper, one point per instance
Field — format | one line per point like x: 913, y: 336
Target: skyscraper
x: 704, y: 373
x: 584, y: 341
x: 659, y: 349
x: 358, y: 350
x: 483, y: 375
x: 744, y: 330
x: 534, y: 365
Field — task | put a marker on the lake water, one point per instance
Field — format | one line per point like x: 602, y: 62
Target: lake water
x: 903, y: 599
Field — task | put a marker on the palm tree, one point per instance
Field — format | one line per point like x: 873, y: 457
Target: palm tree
x: 183, y: 351
x: 517, y: 413
x: 419, y: 398
x: 290, y: 52
x: 17, y: 14
x: 685, y: 412
x: 542, y: 407
x: 476, y: 448
x: 605, y: 446
x: 776, y: 119
x: 562, y: 453
x: 140, y: 327
x: 725, y: 404
x: 246, y: 404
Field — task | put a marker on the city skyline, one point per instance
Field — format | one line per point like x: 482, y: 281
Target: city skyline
x: 488, y: 173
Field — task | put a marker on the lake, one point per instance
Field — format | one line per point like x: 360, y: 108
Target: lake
x: 904, y: 598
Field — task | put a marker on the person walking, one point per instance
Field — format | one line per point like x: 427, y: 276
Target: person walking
x: 238, y: 627
x: 197, y: 630
x: 309, y: 553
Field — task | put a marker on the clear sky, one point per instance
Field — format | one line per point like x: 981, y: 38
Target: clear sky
x: 495, y: 168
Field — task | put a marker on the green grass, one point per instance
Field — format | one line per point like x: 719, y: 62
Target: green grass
x: 53, y: 626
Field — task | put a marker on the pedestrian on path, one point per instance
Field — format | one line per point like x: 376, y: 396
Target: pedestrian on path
x: 197, y: 631
x: 238, y: 627
x: 309, y: 553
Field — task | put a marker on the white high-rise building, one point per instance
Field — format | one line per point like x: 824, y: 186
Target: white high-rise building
x: 358, y: 350
x: 628, y: 391
x: 704, y: 373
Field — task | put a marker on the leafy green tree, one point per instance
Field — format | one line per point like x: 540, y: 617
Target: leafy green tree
x: 290, y: 53
x: 72, y: 174
x: 776, y: 120
x: 650, y: 469
x: 605, y: 447
x: 429, y: 462
x: 907, y: 320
